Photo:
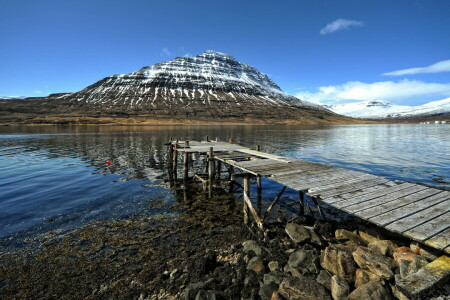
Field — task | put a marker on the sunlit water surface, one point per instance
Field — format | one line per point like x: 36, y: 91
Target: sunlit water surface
x: 56, y: 178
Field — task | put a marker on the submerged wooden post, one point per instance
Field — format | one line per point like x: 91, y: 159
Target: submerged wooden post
x: 210, y: 171
x: 301, y: 197
x: 175, y: 161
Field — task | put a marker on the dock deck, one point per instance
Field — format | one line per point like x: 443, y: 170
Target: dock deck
x: 416, y: 211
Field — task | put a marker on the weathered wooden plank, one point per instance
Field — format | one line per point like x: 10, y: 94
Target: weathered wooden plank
x: 263, y: 154
x: 361, y: 206
x: 430, y: 228
x: 419, y: 217
x: 339, y: 181
x: 377, y: 194
x: 299, y: 174
x: 358, y: 193
x: 256, y: 162
x: 324, y: 192
x: 440, y: 241
x: 403, y: 207
x: 330, y: 179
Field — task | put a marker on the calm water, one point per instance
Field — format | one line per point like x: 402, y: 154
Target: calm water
x: 55, y: 178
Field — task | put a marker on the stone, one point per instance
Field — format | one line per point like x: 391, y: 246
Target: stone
x: 384, y: 247
x: 256, y: 264
x: 370, y: 291
x: 363, y: 276
x: 266, y: 291
x: 403, y: 267
x: 324, y: 278
x: 369, y: 237
x: 304, y: 261
x: 339, y: 261
x: 251, y: 245
x: 426, y: 279
x: 302, y: 234
x: 397, y: 294
x: 402, y: 249
x: 342, y: 234
x: 409, y: 256
x: 275, y: 277
x: 302, y: 288
x: 191, y: 291
x: 273, y: 266
x: 417, y: 249
x: 374, y: 262
x: 418, y: 263
x: 339, y: 288
x: 277, y: 296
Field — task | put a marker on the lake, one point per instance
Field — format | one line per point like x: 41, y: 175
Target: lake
x: 55, y: 179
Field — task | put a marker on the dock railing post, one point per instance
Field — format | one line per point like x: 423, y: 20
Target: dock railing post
x: 210, y: 171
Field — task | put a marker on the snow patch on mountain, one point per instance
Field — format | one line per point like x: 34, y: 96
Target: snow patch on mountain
x: 379, y: 109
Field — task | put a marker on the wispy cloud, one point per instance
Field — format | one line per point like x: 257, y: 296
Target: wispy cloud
x: 165, y: 52
x: 340, y: 24
x: 187, y: 54
x: 439, y: 67
x: 399, y: 91
x: 37, y: 92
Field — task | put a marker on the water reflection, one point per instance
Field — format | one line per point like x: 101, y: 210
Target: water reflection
x: 59, y: 173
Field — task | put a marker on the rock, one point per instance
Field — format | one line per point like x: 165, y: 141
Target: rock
x: 363, y: 276
x: 426, y: 279
x: 418, y: 263
x: 342, y: 234
x: 339, y: 261
x: 256, y: 264
x: 397, y: 294
x: 251, y: 245
x: 417, y: 249
x: 369, y: 237
x: 266, y: 291
x: 191, y: 291
x: 302, y: 234
x: 402, y: 249
x: 384, y: 247
x: 273, y: 266
x: 409, y: 256
x: 303, y: 261
x: 201, y: 295
x: 302, y: 288
x: 339, y: 288
x: 277, y: 296
x: 325, y: 229
x: 374, y: 262
x: 174, y: 273
x: 370, y: 291
x: 404, y: 266
x: 275, y: 277
x: 324, y: 279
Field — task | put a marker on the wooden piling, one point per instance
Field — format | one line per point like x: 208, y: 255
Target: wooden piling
x: 259, y: 193
x: 301, y: 198
x: 219, y: 169
x: 230, y: 141
x: 186, y: 167
x: 248, y: 206
x: 175, y: 161
x: 210, y: 171
x: 258, y: 147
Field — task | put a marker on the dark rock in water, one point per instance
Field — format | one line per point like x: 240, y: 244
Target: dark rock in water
x: 339, y: 288
x: 302, y: 288
x: 324, y: 279
x: 266, y: 291
x: 370, y: 291
x: 339, y: 261
x: 303, y: 262
x: 374, y: 262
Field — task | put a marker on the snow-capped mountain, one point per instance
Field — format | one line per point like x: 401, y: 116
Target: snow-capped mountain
x: 379, y: 109
x: 12, y: 97
x: 209, y: 78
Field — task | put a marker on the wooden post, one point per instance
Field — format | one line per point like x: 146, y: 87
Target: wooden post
x: 170, y: 163
x: 248, y: 206
x: 210, y: 171
x: 322, y: 215
x: 230, y: 141
x: 186, y: 167
x: 175, y: 162
x: 280, y: 193
x: 207, y: 138
x: 217, y: 139
x: 186, y: 143
x: 301, y: 197
x: 258, y: 147
x: 259, y: 192
x: 230, y: 172
x: 219, y: 169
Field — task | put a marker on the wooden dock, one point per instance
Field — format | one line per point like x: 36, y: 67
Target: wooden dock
x: 416, y: 211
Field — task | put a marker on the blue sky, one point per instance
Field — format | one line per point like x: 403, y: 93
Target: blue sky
x: 63, y: 46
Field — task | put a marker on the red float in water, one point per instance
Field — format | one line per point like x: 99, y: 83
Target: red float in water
x: 108, y: 162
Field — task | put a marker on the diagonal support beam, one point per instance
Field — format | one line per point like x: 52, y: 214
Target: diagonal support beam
x: 280, y: 193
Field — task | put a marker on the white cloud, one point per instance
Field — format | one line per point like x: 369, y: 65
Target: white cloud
x: 165, y: 52
x: 187, y: 54
x: 340, y: 24
x: 37, y: 92
x: 439, y: 67
x: 399, y: 91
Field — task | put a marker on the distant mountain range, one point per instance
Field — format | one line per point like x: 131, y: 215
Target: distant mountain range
x: 209, y: 87
x: 379, y: 109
